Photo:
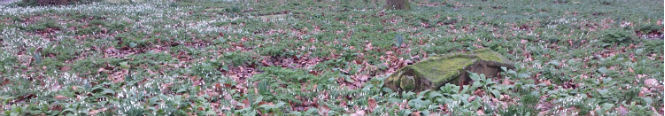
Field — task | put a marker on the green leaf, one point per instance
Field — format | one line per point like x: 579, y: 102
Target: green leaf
x: 554, y: 62
x: 107, y: 92
x: 124, y: 65
x: 475, y: 76
x: 603, y: 70
x: 398, y: 40
x: 417, y: 103
x: 405, y: 112
x: 311, y: 111
x: 275, y: 106
x: 434, y: 94
x: 181, y: 90
x: 476, y: 84
x: 607, y: 106
x: 38, y: 57
x: 466, y: 89
x: 647, y: 100
x: 409, y: 94
x: 132, y: 45
x: 603, y: 92
x: 523, y: 75
x: 496, y: 93
x: 449, y: 89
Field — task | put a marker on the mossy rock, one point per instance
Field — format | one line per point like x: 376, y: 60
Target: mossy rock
x: 436, y: 71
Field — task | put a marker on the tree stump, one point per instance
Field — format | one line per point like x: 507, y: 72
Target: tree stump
x: 398, y: 4
x: 436, y: 71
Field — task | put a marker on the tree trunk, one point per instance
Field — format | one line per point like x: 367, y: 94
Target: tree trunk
x: 398, y: 4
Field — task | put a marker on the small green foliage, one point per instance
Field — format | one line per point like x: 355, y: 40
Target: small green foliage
x: 617, y: 37
x: 653, y: 46
x: 43, y: 25
x: 238, y: 58
x: 646, y: 29
x: 280, y: 50
x: 527, y: 106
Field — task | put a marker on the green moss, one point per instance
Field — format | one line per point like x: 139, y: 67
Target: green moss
x: 442, y: 69
x: 436, y: 71
x: 408, y: 83
x: 489, y: 55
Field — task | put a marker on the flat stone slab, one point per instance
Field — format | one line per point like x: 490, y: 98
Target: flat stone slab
x: 436, y: 71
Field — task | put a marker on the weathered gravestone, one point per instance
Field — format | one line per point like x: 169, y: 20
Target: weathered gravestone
x: 436, y: 71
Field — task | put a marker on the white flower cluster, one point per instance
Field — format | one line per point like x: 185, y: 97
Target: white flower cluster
x: 13, y: 40
x: 83, y: 8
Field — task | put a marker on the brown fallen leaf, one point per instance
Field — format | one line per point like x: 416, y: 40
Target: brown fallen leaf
x: 644, y: 92
x: 95, y: 112
x: 22, y: 98
x: 622, y: 110
x: 372, y: 104
x: 417, y: 113
x: 65, y: 68
x: 245, y: 102
x: 471, y: 98
x: 479, y: 92
x: 542, y: 113
x: 547, y: 82
x: 358, y: 113
x: 506, y: 81
x: 323, y: 110
x: 60, y: 97
x: 24, y: 60
x: 651, y: 83
x: 480, y: 112
x: 118, y: 76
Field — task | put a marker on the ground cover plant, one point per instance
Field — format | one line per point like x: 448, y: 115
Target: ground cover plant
x: 325, y: 57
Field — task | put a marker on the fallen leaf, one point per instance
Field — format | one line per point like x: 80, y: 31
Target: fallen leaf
x: 323, y: 110
x: 542, y: 113
x: 372, y: 104
x: 60, y: 97
x: 358, y: 113
x: 644, y: 91
x: 622, y: 110
x: 480, y: 112
x: 65, y: 68
x: 651, y: 83
x: 471, y: 98
x: 118, y: 76
x: 24, y: 60
x: 95, y: 112
x: 245, y: 102
x: 547, y: 82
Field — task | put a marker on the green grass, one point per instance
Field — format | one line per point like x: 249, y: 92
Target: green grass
x: 321, y: 57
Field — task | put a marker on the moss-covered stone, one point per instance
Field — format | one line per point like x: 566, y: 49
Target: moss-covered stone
x: 436, y: 71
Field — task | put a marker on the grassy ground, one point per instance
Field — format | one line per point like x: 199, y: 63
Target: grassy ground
x: 320, y: 57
